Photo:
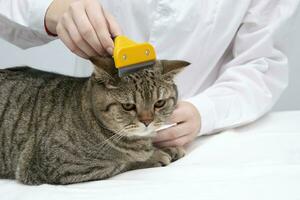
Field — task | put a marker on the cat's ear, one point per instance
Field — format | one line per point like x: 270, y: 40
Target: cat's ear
x: 104, y: 69
x: 169, y: 68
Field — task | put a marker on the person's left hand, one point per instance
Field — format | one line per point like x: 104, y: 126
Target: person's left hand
x: 188, y: 125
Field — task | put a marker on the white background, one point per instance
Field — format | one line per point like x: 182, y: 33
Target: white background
x: 55, y: 57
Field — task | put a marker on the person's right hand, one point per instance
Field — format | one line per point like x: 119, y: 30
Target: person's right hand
x: 83, y: 26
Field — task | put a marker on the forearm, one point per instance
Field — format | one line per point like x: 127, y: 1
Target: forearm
x: 240, y: 96
x: 22, y: 22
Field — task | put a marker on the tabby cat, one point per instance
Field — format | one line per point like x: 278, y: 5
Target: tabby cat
x: 57, y: 129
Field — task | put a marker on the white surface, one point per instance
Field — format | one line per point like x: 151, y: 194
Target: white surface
x: 259, y: 161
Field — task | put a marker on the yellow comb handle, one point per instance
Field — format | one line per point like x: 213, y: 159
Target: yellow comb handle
x: 128, y: 52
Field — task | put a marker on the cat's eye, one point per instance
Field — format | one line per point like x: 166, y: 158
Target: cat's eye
x: 128, y: 106
x: 160, y: 103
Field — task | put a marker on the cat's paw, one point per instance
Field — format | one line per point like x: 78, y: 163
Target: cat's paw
x: 174, y: 152
x: 161, y: 158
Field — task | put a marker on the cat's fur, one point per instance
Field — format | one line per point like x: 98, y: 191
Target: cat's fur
x: 59, y: 130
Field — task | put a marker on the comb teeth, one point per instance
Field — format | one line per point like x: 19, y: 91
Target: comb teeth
x: 134, y: 68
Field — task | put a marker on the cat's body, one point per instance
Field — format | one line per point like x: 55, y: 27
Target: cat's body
x: 50, y: 132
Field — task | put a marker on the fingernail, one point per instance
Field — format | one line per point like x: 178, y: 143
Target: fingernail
x: 109, y: 50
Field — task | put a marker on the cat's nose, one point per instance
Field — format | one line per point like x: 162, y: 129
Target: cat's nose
x: 146, y: 121
x: 145, y: 117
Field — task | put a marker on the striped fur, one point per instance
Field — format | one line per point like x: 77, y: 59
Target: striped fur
x: 60, y: 130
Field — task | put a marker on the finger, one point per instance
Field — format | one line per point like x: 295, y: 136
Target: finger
x: 85, y: 28
x: 172, y: 133
x: 178, y: 116
x: 114, y: 27
x: 66, y: 39
x: 81, y: 31
x: 175, y: 143
x: 98, y: 21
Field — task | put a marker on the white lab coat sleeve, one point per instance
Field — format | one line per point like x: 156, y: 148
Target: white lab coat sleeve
x: 250, y: 84
x: 22, y: 22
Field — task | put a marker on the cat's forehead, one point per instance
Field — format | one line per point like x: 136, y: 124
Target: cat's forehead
x: 144, y: 74
x: 145, y: 83
x: 143, y: 78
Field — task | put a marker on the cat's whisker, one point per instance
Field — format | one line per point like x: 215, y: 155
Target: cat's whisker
x: 117, y: 136
x: 108, y: 139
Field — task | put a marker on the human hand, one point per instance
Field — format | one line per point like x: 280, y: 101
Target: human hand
x: 83, y: 26
x: 188, y: 125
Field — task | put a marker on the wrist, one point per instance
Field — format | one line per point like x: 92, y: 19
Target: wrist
x: 206, y: 109
x: 193, y: 110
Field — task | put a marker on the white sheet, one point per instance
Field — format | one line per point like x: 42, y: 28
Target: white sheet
x: 259, y: 161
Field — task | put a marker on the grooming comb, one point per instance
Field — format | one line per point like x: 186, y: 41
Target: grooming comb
x: 130, y: 56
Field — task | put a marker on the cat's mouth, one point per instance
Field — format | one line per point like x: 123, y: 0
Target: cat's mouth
x: 140, y: 130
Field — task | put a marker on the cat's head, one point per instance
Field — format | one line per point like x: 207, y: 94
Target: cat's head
x: 137, y: 104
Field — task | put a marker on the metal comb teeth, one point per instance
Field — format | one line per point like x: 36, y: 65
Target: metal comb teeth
x: 134, y: 68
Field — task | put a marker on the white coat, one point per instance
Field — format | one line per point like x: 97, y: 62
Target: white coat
x: 238, y: 69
